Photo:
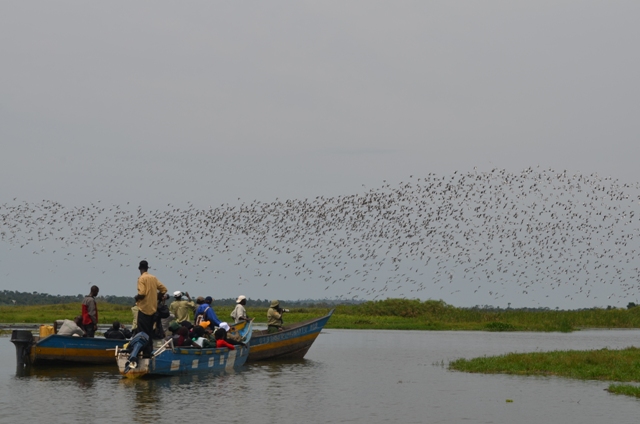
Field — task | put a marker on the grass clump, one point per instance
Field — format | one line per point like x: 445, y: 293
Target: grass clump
x: 624, y: 389
x: 499, y: 326
x: 604, y: 364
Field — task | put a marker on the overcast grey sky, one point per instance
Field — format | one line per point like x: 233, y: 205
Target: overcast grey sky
x: 207, y: 102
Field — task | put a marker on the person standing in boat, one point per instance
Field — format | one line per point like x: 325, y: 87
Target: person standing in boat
x: 274, y: 317
x: 134, y: 312
x: 90, y: 313
x: 147, y: 299
x: 182, y: 309
x: 240, y: 313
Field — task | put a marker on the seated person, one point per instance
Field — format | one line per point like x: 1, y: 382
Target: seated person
x: 174, y: 327
x: 231, y: 337
x: 117, y: 332
x: 72, y: 328
x: 181, y: 337
x: 139, y: 343
x: 220, y: 335
x: 200, y: 337
x: 205, y: 312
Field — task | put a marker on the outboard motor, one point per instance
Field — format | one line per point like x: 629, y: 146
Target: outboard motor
x: 23, y: 340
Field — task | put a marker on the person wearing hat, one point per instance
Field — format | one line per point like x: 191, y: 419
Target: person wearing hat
x: 240, y: 313
x: 149, y: 287
x: 174, y: 327
x: 205, y: 312
x: 231, y: 336
x: 182, y: 309
x: 274, y: 317
x: 220, y: 336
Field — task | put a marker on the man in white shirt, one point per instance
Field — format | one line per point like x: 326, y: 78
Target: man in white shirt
x: 240, y: 313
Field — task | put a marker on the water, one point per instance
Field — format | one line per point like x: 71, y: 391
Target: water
x: 349, y: 376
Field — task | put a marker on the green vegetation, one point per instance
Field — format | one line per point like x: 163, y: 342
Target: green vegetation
x: 390, y: 314
x: 624, y: 389
x: 107, y: 313
x: 604, y: 364
x: 437, y: 315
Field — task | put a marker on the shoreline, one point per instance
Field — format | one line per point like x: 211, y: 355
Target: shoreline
x: 389, y: 314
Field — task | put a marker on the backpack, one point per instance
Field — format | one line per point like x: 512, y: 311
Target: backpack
x: 163, y: 310
x: 200, y: 316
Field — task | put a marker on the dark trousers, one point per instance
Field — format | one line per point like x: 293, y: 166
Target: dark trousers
x: 89, y: 330
x: 145, y: 323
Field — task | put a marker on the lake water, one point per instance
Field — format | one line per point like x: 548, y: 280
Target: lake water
x: 348, y: 376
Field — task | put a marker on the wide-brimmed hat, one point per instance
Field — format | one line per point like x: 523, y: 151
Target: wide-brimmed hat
x: 240, y: 298
x: 143, y: 265
x: 275, y: 303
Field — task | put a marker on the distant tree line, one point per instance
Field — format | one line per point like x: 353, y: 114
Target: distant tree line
x: 490, y: 308
x: 9, y: 297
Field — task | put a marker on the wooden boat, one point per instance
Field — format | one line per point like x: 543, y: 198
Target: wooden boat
x: 170, y: 360
x: 34, y: 350
x: 292, y: 342
x: 176, y: 361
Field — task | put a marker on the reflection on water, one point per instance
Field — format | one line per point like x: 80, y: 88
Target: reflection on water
x: 84, y: 374
x: 348, y: 376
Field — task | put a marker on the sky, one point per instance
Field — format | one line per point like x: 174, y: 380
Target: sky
x: 157, y: 103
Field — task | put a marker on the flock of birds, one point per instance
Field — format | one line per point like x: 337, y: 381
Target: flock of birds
x: 494, y: 233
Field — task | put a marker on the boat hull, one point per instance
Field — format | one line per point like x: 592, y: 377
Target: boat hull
x: 291, y: 343
x: 179, y: 361
x: 68, y: 349
x: 57, y: 349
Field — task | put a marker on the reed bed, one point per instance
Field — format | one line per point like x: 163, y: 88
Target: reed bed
x: 604, y: 364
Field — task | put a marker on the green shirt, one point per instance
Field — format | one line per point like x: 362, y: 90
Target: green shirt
x: 181, y: 309
x: 274, y: 317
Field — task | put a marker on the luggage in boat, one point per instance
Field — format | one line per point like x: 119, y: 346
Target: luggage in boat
x: 46, y: 330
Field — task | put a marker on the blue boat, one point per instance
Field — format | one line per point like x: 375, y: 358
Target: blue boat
x: 292, y: 342
x: 55, y: 348
x: 170, y: 360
